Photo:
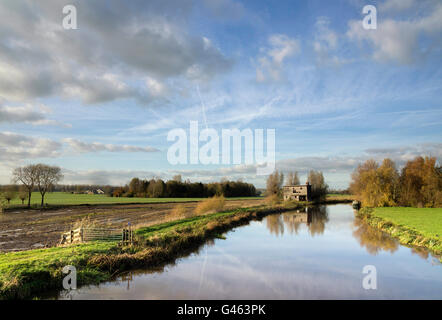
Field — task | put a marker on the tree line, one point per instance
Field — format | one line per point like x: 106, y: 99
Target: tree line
x: 44, y: 178
x: 176, y: 188
x: 418, y: 184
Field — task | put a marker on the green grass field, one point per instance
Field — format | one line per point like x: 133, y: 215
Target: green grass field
x: 64, y: 198
x: 413, y: 227
x: 426, y: 221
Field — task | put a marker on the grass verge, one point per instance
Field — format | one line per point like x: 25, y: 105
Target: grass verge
x: 27, y: 273
x: 420, y: 227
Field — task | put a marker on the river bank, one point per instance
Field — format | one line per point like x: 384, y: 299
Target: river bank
x: 418, y: 227
x: 27, y: 273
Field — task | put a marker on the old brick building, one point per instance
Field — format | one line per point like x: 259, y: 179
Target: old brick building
x: 297, y: 193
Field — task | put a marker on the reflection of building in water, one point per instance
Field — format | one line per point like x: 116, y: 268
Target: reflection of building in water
x: 314, y: 217
x: 299, y: 217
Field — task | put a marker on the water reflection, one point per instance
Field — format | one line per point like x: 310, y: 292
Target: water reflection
x: 314, y: 218
x: 372, y: 239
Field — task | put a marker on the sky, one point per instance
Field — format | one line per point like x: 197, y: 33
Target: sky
x: 100, y: 100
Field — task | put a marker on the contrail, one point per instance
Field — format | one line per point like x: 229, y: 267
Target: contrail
x: 202, y: 105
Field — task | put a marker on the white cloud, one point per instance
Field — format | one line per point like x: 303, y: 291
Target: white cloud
x: 155, y: 87
x: 282, y: 47
x: 27, y: 113
x: 400, y: 155
x: 97, y: 88
x: 84, y: 147
x: 398, y: 40
x: 271, y: 61
x: 115, y: 47
x: 17, y: 147
x: 405, y: 153
x: 325, y: 43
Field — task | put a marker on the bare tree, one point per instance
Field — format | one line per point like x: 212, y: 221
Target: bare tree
x: 47, y: 176
x: 9, y: 193
x: 319, y: 187
x: 274, y: 183
x: 22, y: 195
x: 28, y: 177
x: 292, y: 178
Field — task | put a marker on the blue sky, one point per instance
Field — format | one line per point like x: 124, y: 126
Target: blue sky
x: 99, y: 101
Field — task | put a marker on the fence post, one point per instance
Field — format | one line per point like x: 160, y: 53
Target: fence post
x: 72, y: 236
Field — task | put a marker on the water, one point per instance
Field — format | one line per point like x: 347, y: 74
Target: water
x: 295, y: 255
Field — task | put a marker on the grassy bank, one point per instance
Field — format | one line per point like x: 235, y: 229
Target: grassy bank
x: 59, y: 199
x: 27, y: 273
x: 421, y: 227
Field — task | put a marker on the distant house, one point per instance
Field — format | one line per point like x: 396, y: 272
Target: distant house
x: 298, y: 193
x: 94, y: 191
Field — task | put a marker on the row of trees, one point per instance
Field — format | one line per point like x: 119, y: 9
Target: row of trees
x: 34, y: 176
x: 176, y: 188
x: 419, y: 183
x: 315, y: 178
x: 10, y: 192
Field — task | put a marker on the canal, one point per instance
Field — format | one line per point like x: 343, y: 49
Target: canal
x: 318, y: 253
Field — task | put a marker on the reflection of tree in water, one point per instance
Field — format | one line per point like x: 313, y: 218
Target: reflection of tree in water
x: 318, y: 217
x: 372, y: 239
x: 293, y: 221
x: 314, y: 217
x: 424, y: 254
x: 275, y: 225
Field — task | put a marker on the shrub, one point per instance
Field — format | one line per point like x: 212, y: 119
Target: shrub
x: 273, y: 200
x: 214, y: 204
x: 2, y: 202
x: 178, y: 212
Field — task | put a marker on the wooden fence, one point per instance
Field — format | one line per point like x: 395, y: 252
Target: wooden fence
x: 79, y: 235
